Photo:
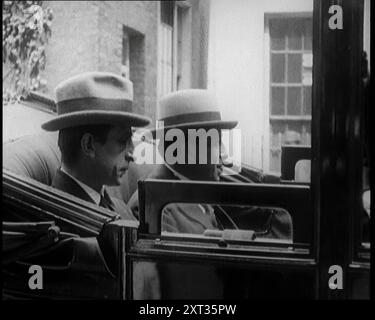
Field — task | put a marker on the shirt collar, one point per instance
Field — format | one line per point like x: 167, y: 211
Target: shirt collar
x: 94, y: 195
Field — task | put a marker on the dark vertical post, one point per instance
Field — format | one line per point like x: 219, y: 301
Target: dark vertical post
x: 336, y: 178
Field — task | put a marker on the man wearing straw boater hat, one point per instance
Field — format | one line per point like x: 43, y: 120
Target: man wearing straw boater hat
x: 198, y: 109
x: 183, y: 110
x: 95, y: 121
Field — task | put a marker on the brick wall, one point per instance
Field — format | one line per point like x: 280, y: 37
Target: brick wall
x: 140, y: 20
x: 73, y: 47
x: 87, y: 36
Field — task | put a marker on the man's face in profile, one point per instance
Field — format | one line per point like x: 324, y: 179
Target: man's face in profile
x: 113, y: 157
x: 202, y: 155
x: 210, y: 151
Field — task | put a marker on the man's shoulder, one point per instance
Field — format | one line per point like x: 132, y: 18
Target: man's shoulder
x: 63, y: 182
x: 161, y: 172
x: 122, y: 209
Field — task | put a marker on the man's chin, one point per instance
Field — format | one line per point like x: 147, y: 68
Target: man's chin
x: 120, y: 178
x: 114, y: 182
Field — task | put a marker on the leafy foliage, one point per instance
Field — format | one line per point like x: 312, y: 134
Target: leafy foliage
x: 26, y: 30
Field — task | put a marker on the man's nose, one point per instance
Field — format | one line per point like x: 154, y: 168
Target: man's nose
x: 129, y: 153
x: 129, y: 157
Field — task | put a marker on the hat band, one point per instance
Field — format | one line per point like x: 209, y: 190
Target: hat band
x: 93, y: 104
x: 191, y: 117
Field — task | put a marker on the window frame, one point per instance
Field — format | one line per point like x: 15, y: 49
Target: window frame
x: 269, y: 118
x: 181, y: 52
x: 155, y: 194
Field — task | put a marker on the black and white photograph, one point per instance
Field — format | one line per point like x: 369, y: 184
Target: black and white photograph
x: 200, y: 151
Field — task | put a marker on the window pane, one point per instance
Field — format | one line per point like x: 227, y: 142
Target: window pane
x: 294, y: 101
x: 277, y: 131
x: 278, y: 98
x: 294, y: 68
x: 278, y: 28
x: 293, y: 132
x: 275, y: 160
x: 166, y: 12
x: 306, y: 133
x: 248, y: 223
x: 308, y: 35
x: 125, y: 49
x: 307, y: 100
x: 278, y: 68
x: 295, y: 34
x: 166, y: 59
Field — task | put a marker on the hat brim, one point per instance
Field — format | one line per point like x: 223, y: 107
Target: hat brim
x: 82, y: 118
x: 221, y: 125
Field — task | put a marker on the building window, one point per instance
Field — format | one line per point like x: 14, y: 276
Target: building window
x: 133, y: 65
x: 175, y: 46
x: 290, y: 84
x: 166, y: 47
x: 125, y: 67
x: 167, y: 12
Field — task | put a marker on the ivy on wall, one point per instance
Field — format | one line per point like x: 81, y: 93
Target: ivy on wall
x: 26, y: 30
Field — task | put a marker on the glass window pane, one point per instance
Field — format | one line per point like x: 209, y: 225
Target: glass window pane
x: 125, y: 49
x: 277, y: 101
x: 275, y: 160
x: 245, y: 225
x: 306, y: 133
x: 278, y: 28
x: 294, y: 101
x: 294, y: 68
x: 295, y: 34
x: 278, y: 68
x: 166, y: 12
x: 308, y: 35
x: 307, y: 100
x: 293, y: 132
x: 277, y: 131
x: 291, y: 136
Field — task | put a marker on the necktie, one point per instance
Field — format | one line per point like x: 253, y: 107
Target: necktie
x: 106, y: 202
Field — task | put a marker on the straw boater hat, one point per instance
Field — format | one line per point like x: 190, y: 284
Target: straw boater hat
x: 190, y: 108
x: 95, y: 98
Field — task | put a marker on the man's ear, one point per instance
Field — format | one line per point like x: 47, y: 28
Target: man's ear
x: 87, y: 145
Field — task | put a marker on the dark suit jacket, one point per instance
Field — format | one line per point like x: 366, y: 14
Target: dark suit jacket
x: 179, y: 217
x: 65, y: 183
